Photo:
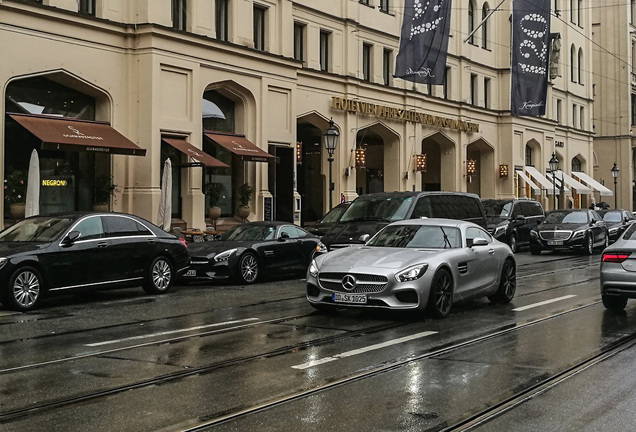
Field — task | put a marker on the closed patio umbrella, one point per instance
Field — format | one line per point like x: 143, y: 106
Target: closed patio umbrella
x: 32, y: 207
x: 164, y: 216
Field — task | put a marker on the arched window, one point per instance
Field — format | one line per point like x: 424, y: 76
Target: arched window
x: 528, y: 155
x: 580, y: 68
x: 471, y: 20
x: 573, y: 73
x: 576, y: 165
x: 484, y: 27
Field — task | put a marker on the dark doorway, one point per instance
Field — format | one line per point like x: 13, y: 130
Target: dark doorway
x: 310, y: 179
x: 281, y: 182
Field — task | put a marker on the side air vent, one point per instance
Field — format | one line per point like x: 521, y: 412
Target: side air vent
x: 462, y: 267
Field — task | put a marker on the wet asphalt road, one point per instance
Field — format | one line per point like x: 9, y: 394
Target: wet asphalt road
x: 243, y: 358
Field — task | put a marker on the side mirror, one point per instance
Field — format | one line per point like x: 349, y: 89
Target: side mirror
x: 71, y: 238
x: 283, y: 236
x: 477, y: 242
x: 521, y: 218
x: 364, y: 238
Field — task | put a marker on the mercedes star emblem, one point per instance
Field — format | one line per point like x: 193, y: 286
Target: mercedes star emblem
x: 349, y: 282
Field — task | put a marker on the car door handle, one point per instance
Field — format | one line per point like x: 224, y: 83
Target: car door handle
x: 491, y: 251
x: 102, y: 244
x: 150, y: 241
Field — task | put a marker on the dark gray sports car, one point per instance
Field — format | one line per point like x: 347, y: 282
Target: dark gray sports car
x: 248, y: 251
x: 618, y: 271
x: 415, y: 264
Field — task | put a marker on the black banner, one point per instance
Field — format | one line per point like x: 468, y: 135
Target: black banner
x: 530, y: 42
x: 424, y: 41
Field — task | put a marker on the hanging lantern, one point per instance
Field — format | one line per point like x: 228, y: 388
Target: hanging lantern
x: 360, y: 157
x: 420, y: 162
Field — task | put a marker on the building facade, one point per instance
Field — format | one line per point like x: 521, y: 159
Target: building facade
x: 238, y: 92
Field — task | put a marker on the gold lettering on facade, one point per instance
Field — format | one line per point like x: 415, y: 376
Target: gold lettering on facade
x: 413, y: 116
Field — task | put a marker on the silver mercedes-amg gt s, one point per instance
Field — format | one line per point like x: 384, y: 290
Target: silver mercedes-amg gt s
x: 417, y: 264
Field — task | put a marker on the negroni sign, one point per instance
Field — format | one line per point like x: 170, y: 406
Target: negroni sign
x: 55, y: 183
x: 413, y: 116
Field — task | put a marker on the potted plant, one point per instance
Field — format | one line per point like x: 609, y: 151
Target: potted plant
x: 15, y: 186
x: 245, y: 197
x: 215, y: 192
x: 104, y: 188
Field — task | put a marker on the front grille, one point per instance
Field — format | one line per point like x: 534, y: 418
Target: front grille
x: 555, y: 235
x: 365, y: 283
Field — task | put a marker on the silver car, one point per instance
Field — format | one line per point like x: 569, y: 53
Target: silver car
x: 618, y: 271
x: 417, y: 264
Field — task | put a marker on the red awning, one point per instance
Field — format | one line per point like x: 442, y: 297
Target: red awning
x: 189, y: 150
x: 77, y: 135
x: 239, y: 145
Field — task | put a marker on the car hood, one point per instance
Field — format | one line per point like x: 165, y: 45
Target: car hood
x: 360, y: 257
x: 217, y: 246
x: 350, y: 232
x: 15, y: 248
x: 565, y: 226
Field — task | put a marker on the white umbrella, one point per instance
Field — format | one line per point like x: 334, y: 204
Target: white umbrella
x: 32, y: 207
x: 164, y: 216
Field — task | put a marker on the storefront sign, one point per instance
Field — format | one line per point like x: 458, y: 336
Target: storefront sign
x: 377, y: 110
x: 56, y: 183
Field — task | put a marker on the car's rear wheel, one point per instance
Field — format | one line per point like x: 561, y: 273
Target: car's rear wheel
x: 25, y: 289
x: 440, y: 298
x: 159, y: 276
x: 513, y: 243
x: 507, y: 284
x: 535, y: 250
x: 614, y: 303
x: 589, y: 244
x: 248, y: 268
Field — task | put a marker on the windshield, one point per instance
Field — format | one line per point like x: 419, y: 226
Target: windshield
x: 378, y: 208
x: 612, y: 216
x: 334, y: 215
x: 558, y: 217
x: 417, y: 236
x: 497, y: 208
x: 249, y: 233
x: 39, y: 229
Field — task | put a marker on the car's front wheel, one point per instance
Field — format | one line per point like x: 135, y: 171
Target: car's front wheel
x: 248, y: 268
x: 614, y: 303
x: 589, y: 244
x: 507, y: 284
x: 159, y: 276
x: 440, y: 298
x: 25, y: 289
x: 513, y: 243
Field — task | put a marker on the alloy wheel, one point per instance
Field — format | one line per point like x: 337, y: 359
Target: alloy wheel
x: 161, y: 275
x: 442, y: 294
x: 26, y: 289
x: 508, y: 281
x: 249, y: 268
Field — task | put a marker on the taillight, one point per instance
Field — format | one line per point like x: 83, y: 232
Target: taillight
x: 617, y: 257
x: 183, y: 242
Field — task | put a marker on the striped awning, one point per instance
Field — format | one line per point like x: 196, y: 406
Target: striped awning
x: 529, y: 182
x: 540, y: 178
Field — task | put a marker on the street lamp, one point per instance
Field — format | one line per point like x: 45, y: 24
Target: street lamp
x: 554, y: 165
x: 331, y: 141
x: 614, y: 171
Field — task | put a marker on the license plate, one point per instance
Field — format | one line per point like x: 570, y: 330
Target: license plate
x: 190, y: 273
x: 555, y: 243
x: 349, y: 298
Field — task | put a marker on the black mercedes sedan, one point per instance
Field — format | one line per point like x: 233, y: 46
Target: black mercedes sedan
x: 576, y: 229
x: 64, y: 253
x: 617, y: 222
x: 252, y: 250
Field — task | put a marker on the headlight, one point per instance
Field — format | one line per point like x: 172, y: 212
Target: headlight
x: 578, y: 234
x: 500, y: 230
x: 3, y: 261
x: 534, y: 234
x: 313, y: 268
x: 411, y: 273
x: 321, y: 248
x: 223, y: 256
x: 614, y: 230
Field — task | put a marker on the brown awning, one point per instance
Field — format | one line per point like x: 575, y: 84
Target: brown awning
x: 239, y: 145
x: 77, y: 135
x: 189, y: 150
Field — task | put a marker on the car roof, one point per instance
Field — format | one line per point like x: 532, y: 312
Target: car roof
x: 415, y: 193
x: 436, y: 222
x: 269, y: 223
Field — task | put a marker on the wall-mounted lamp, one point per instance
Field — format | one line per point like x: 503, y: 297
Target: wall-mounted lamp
x: 360, y: 158
x: 471, y: 167
x: 419, y: 162
x: 299, y: 153
x: 503, y: 171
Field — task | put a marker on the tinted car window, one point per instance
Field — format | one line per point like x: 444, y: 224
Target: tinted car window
x: 473, y: 233
x: 334, y: 215
x: 382, y: 208
x: 447, y: 206
x: 249, y: 233
x: 531, y: 209
x: 497, y: 208
x: 291, y: 231
x: 90, y: 228
x: 416, y: 236
x: 612, y: 216
x: 557, y: 217
x: 36, y: 229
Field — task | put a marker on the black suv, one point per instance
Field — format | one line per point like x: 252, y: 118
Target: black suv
x: 367, y: 214
x: 511, y: 220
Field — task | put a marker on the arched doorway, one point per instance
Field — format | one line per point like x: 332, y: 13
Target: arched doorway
x: 380, y: 171
x: 480, y: 157
x: 440, y: 163
x: 309, y: 179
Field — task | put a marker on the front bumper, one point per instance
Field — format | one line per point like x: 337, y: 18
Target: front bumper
x: 210, y: 271
x: 569, y: 244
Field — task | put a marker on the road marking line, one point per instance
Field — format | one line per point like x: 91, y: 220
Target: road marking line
x: 169, y: 332
x: 519, y: 309
x: 362, y: 350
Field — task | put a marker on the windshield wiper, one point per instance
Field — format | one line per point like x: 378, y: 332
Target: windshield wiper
x: 367, y: 218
